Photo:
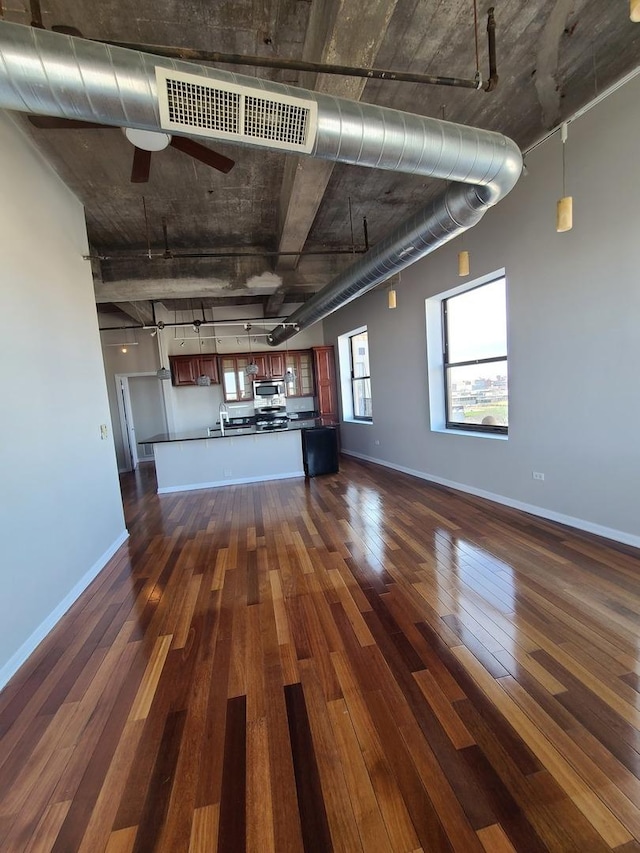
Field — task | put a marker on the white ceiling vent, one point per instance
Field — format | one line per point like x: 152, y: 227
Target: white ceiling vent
x: 206, y: 107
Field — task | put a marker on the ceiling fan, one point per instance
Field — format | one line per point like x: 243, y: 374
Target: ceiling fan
x: 145, y: 142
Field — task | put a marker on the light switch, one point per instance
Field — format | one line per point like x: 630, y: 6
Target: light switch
x: 104, y: 432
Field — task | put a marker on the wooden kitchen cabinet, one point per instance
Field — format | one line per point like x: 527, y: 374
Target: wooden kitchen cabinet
x: 185, y: 369
x: 300, y: 364
x: 326, y: 386
x: 270, y: 365
x: 235, y: 382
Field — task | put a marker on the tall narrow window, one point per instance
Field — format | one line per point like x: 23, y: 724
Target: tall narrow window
x: 475, y: 358
x: 360, y: 376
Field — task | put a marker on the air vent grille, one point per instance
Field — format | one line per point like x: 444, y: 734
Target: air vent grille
x: 273, y: 120
x: 203, y: 106
x: 217, y: 109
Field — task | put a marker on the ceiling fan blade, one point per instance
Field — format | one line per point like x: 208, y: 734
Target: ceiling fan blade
x: 203, y: 154
x: 141, y: 166
x: 55, y: 123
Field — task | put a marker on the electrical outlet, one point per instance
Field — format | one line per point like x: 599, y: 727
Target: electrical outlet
x: 537, y: 475
x: 104, y: 432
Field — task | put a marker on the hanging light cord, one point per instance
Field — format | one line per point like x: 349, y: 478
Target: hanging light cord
x: 564, y: 159
x: 475, y: 30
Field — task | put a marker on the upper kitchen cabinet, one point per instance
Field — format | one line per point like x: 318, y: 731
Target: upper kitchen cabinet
x: 235, y: 382
x: 185, y: 369
x: 326, y: 387
x: 298, y: 373
x: 270, y: 365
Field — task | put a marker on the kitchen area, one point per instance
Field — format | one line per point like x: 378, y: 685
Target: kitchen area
x: 242, y: 416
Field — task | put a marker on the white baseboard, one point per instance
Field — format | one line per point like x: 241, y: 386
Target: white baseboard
x: 30, y: 644
x: 239, y: 482
x: 542, y: 512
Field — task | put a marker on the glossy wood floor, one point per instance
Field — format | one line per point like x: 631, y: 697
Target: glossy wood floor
x: 359, y: 662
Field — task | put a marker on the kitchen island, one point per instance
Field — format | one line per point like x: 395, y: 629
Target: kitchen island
x: 203, y: 459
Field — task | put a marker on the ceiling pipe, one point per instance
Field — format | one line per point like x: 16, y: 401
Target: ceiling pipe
x: 193, y: 55
x: 54, y: 74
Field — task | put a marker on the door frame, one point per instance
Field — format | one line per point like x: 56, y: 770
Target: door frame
x: 125, y: 413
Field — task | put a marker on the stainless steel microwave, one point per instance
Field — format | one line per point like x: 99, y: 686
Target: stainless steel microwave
x: 268, y: 388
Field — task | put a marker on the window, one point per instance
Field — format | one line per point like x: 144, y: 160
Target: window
x: 355, y: 376
x: 360, y: 375
x: 475, y: 358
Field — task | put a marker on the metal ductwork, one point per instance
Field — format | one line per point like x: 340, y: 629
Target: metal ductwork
x: 58, y: 75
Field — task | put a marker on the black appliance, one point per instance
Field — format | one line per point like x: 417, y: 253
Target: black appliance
x: 320, y: 451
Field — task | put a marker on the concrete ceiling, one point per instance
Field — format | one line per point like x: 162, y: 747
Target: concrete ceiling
x: 553, y: 57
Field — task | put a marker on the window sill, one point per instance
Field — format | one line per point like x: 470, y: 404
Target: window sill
x: 472, y: 434
x: 357, y: 421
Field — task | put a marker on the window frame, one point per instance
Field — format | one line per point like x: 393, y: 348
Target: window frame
x: 354, y: 379
x: 496, y: 429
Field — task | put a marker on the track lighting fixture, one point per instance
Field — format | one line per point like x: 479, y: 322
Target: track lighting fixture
x: 564, y: 210
x: 463, y: 263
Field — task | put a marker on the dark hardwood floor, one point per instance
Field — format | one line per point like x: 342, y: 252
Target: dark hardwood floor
x: 360, y: 662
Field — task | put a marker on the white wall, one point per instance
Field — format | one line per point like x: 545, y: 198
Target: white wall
x: 573, y: 309
x: 60, y: 508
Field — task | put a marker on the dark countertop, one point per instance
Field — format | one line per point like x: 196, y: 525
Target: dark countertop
x: 235, y: 432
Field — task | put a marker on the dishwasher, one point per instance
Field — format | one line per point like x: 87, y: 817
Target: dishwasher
x: 320, y: 450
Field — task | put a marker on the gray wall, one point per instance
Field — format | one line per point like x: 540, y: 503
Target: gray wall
x: 574, y: 344
x: 60, y: 508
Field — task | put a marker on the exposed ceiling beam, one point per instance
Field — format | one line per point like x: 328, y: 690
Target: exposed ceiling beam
x: 339, y: 31
x: 274, y: 303
x: 141, y: 311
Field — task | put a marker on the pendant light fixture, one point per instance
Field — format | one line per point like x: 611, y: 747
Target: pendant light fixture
x: 252, y: 368
x: 634, y: 11
x: 203, y: 380
x: 392, y: 300
x: 289, y: 375
x: 163, y: 373
x: 463, y: 263
x: 564, y: 209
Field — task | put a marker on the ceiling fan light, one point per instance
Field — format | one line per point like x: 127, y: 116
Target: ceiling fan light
x: 148, y: 140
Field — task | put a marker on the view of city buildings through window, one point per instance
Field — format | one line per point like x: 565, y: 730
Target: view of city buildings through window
x: 360, y: 376
x: 475, y: 342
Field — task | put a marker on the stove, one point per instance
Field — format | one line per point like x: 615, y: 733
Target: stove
x: 272, y: 426
x: 270, y: 418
